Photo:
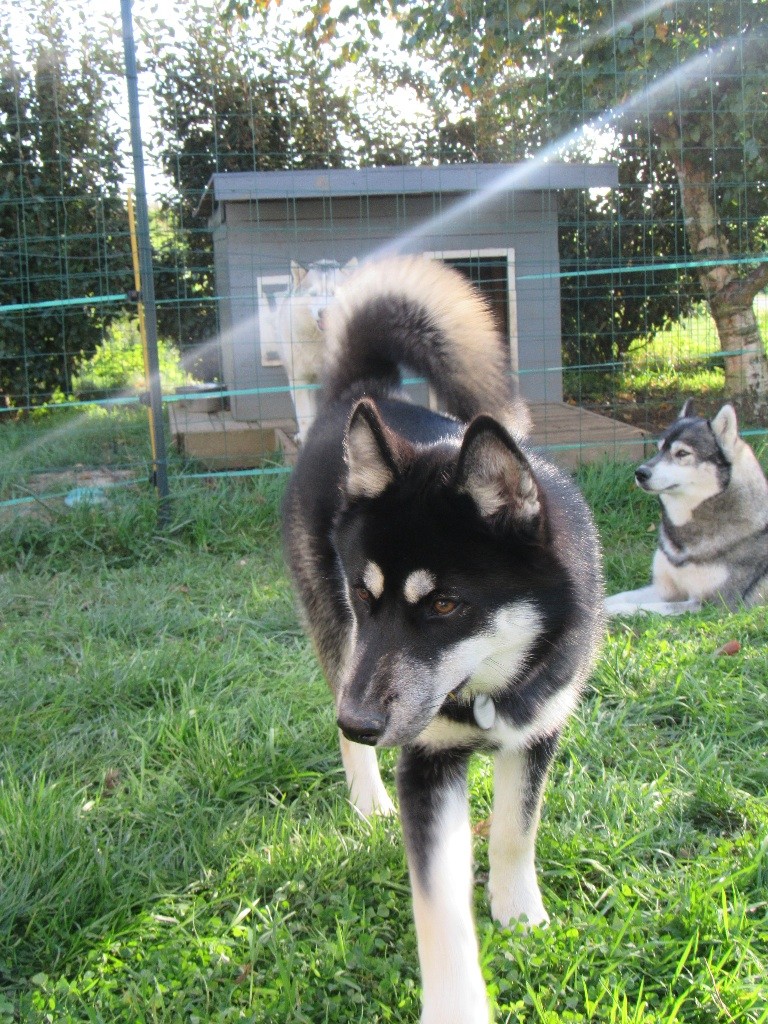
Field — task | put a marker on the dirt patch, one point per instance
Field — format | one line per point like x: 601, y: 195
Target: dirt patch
x: 47, y: 491
x: 654, y: 413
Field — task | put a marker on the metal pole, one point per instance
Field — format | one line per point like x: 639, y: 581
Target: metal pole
x: 147, y: 290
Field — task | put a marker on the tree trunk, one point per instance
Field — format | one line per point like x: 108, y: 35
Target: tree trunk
x: 746, y: 371
x: 730, y: 297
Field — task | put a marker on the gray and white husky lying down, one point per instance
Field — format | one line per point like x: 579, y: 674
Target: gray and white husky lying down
x: 713, y: 536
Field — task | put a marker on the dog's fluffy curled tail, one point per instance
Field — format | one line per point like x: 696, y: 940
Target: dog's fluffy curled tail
x: 422, y: 314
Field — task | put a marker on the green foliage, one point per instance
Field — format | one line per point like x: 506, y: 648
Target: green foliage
x: 254, y: 85
x: 117, y: 365
x: 63, y: 229
x: 555, y: 67
x: 673, y: 92
x: 246, y: 94
x: 175, y: 834
x: 679, y: 361
x: 604, y: 314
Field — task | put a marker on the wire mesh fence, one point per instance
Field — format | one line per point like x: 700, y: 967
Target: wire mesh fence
x: 600, y: 177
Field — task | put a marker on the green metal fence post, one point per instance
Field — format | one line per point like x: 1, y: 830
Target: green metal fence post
x: 147, y: 297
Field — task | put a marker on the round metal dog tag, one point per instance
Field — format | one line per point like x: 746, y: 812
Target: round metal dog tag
x: 484, y: 711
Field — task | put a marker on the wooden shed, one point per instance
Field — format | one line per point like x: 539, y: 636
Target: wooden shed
x: 498, y: 222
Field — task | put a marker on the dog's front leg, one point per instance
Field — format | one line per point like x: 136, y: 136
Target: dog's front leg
x: 631, y: 601
x: 366, y: 790
x: 305, y: 407
x: 433, y: 807
x: 519, y: 778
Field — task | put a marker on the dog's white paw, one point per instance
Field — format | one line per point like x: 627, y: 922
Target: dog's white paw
x: 482, y: 1016
x: 518, y: 901
x: 458, y: 1007
x: 374, y: 803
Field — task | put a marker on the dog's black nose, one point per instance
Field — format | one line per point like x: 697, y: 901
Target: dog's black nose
x: 642, y: 474
x: 362, y: 728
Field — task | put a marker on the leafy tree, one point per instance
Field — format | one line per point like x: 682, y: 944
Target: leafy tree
x: 237, y: 93
x: 683, y: 82
x: 692, y: 78
x: 603, y: 313
x: 62, y: 220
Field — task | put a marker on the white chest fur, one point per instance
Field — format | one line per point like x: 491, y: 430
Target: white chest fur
x: 551, y: 716
x: 685, y: 581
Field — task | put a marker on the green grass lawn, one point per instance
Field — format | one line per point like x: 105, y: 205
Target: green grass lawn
x: 176, y: 843
x: 45, y: 454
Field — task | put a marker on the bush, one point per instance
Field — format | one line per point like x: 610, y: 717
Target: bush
x: 117, y: 365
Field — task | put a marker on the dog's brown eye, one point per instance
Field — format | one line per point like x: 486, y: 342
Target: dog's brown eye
x: 682, y: 453
x: 444, y: 606
x: 362, y: 594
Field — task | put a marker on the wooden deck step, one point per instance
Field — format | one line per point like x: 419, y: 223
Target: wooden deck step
x: 219, y: 442
x: 567, y: 434
x: 571, y: 436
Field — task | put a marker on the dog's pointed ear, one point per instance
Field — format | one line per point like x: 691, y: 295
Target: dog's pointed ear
x: 368, y: 449
x: 495, y: 473
x: 687, y: 409
x: 726, y: 428
x: 298, y: 273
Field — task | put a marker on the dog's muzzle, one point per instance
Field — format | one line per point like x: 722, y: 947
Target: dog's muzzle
x: 642, y: 476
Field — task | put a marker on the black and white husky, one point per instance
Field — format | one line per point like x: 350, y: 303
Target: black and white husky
x: 713, y: 537
x: 451, y: 584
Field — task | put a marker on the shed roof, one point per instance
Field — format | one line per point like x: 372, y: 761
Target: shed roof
x: 242, y: 186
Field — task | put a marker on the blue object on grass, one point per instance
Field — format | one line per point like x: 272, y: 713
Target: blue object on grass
x: 86, y: 496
